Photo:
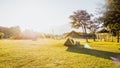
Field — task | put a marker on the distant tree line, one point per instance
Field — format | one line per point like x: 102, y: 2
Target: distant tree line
x: 16, y: 33
x: 9, y: 32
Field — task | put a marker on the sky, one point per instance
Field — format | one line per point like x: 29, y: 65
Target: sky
x: 47, y: 16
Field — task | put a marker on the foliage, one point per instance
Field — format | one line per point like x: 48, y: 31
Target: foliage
x: 15, y: 33
x: 111, y: 17
x: 93, y: 26
x: 1, y: 35
x: 12, y: 31
x: 12, y: 37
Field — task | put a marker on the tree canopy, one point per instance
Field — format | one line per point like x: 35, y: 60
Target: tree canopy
x: 111, y: 16
x: 80, y: 18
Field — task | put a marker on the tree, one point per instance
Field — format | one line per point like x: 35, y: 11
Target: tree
x: 93, y: 26
x: 111, y: 16
x: 80, y: 18
x: 15, y: 31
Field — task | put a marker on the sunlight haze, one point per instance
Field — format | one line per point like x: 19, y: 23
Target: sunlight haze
x: 48, y: 16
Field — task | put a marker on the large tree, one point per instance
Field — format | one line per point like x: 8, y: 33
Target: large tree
x: 111, y: 16
x: 80, y: 18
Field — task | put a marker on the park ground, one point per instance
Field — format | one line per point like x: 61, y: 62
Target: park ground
x: 49, y: 53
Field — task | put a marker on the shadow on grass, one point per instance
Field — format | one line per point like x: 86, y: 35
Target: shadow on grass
x: 93, y: 52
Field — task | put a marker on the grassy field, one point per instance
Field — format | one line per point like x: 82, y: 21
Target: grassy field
x: 47, y: 53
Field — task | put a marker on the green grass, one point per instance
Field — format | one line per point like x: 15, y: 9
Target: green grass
x: 47, y: 53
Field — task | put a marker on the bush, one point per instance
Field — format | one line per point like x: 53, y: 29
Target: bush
x: 2, y: 35
x: 12, y: 37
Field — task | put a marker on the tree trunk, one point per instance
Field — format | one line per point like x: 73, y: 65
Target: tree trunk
x: 85, y: 31
x: 86, y: 34
x: 118, y: 36
x: 112, y: 38
x: 94, y: 37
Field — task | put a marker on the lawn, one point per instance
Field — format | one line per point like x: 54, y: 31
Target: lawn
x: 48, y: 53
